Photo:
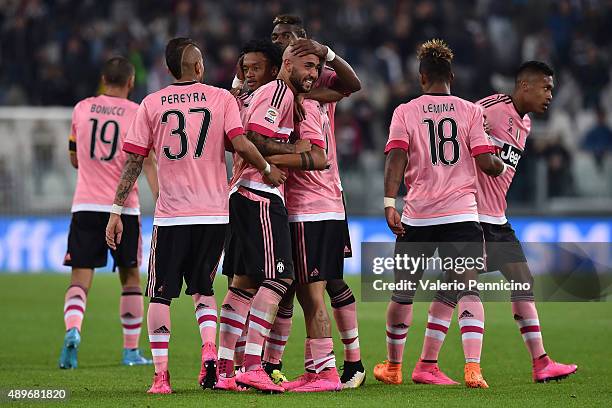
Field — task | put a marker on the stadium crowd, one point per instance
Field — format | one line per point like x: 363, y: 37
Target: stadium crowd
x: 51, y: 51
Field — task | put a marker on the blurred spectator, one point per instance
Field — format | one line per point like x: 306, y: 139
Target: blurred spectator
x: 559, y: 169
x: 51, y: 51
x: 598, y: 140
x: 348, y: 139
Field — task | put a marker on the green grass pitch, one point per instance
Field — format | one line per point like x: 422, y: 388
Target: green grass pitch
x: 33, y: 333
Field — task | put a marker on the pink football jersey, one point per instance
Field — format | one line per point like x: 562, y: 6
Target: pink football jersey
x: 440, y: 133
x: 186, y: 124
x: 99, y: 128
x: 328, y: 79
x: 244, y: 101
x: 270, y: 113
x: 315, y: 195
x: 509, y: 133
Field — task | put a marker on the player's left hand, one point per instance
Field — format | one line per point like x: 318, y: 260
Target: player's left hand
x: 114, y: 231
x: 303, y: 46
x: 394, y: 221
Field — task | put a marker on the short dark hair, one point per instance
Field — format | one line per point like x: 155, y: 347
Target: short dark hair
x: 435, y: 58
x: 174, y: 54
x: 273, y: 52
x: 117, y: 71
x: 534, y: 67
x: 291, y: 20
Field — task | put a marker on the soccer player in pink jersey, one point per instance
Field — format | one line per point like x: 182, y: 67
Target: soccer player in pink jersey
x: 259, y: 64
x: 336, y: 81
x: 510, y: 125
x: 318, y: 226
x: 99, y: 127
x: 186, y: 124
x: 258, y: 219
x: 434, y: 141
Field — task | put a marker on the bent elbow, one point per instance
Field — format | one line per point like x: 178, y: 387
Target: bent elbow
x: 356, y: 85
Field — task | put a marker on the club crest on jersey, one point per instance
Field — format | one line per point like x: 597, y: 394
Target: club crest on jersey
x: 510, y: 155
x: 280, y: 267
x: 271, y: 115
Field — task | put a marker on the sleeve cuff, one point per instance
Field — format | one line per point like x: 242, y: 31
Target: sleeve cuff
x: 235, y: 132
x: 132, y: 148
x: 262, y: 130
x: 318, y: 142
x: 396, y: 144
x: 482, y: 149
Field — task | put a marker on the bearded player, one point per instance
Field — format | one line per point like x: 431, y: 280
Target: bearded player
x: 336, y: 81
x: 258, y: 219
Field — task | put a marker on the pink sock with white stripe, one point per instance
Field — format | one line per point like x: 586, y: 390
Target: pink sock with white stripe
x: 74, y: 306
x: 322, y: 353
x: 399, y: 319
x: 233, y: 316
x: 131, y: 310
x: 308, y: 361
x: 279, y: 334
x: 471, y: 322
x: 345, y: 314
x: 206, y: 315
x: 158, y: 325
x: 526, y: 316
x: 262, y: 315
x: 438, y: 321
x: 240, y: 345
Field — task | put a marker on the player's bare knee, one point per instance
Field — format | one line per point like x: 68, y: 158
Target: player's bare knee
x: 81, y: 277
x: 129, y: 276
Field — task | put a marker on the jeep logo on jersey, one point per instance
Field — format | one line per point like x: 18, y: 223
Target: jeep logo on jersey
x: 280, y: 267
x: 511, y: 155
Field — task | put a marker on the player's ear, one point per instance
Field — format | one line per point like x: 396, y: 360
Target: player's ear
x: 274, y: 71
x: 131, y: 82
x: 422, y: 79
x: 452, y: 77
x: 199, y: 69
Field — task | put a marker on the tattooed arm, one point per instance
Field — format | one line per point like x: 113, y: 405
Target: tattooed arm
x: 315, y: 159
x: 131, y: 171
x: 268, y: 146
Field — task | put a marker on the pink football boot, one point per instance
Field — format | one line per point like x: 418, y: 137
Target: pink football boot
x: 161, y: 384
x: 429, y: 373
x: 327, y: 380
x: 545, y: 369
x: 258, y: 379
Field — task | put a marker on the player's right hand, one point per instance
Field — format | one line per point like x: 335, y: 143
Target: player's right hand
x: 276, y: 176
x: 302, y: 146
x: 394, y: 221
x: 114, y: 231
